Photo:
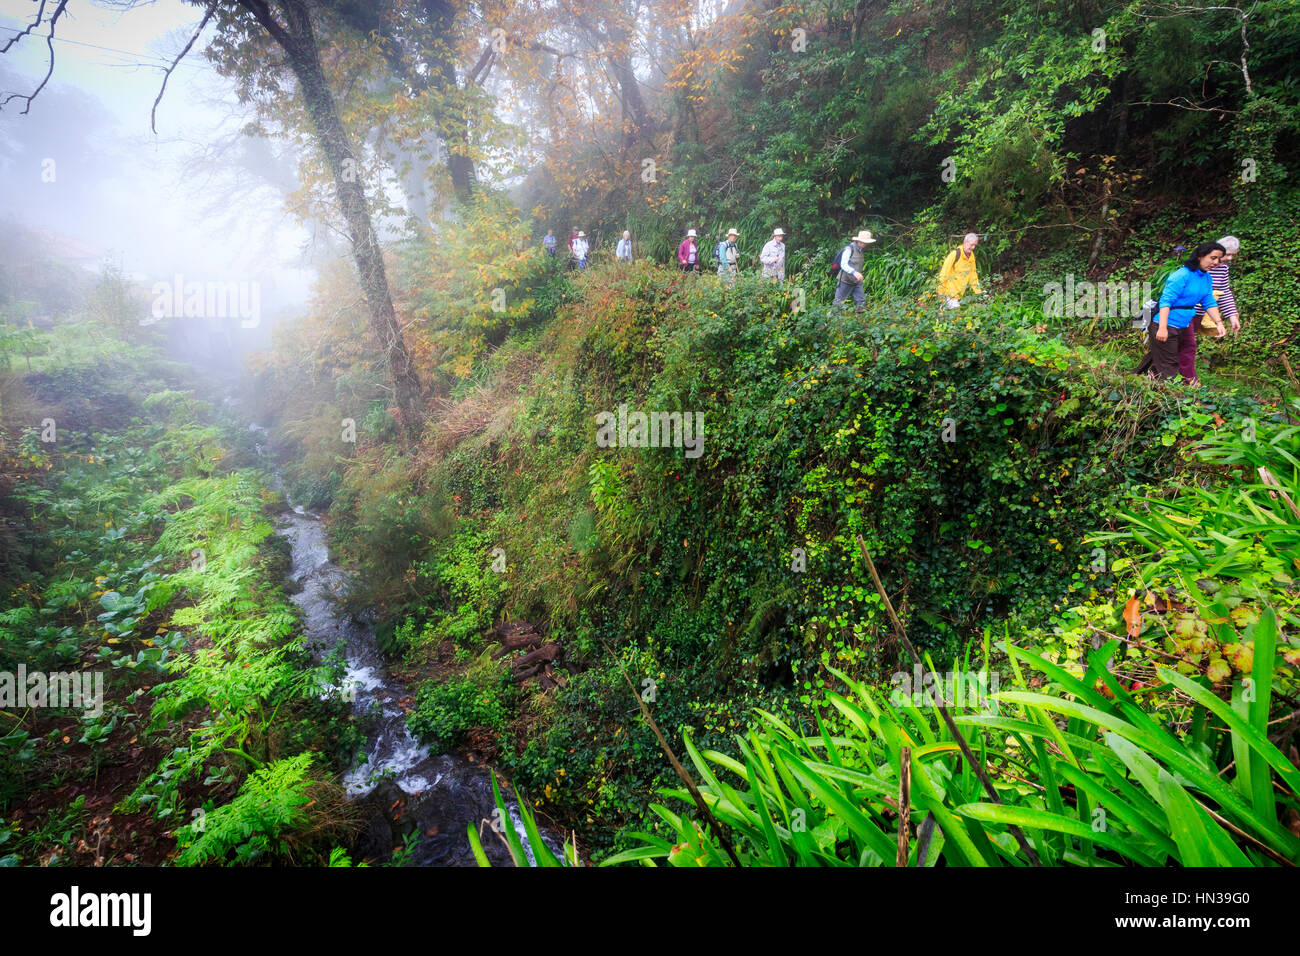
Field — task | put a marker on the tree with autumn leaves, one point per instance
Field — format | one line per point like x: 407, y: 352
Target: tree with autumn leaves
x: 273, y: 45
x: 433, y: 91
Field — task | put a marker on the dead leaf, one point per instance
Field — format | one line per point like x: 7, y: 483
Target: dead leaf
x: 1133, y: 617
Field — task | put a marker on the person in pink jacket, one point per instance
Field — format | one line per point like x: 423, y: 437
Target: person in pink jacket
x: 688, y: 253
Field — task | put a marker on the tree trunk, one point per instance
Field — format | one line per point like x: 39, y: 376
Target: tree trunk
x: 620, y: 65
x: 299, y: 45
x: 453, y: 131
x: 436, y: 71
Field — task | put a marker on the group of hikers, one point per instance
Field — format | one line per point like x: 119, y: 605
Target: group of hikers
x: 955, y: 276
x: 1196, y: 293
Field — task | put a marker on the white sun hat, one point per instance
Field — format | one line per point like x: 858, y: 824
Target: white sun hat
x: 863, y: 236
x: 690, y: 233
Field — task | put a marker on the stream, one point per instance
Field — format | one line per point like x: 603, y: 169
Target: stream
x: 408, y: 796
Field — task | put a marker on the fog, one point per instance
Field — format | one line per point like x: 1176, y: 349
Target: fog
x: 82, y: 167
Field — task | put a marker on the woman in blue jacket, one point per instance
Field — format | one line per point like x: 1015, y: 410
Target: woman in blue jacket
x: 1186, y: 288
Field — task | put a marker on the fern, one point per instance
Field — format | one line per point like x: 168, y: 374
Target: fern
x: 269, y: 805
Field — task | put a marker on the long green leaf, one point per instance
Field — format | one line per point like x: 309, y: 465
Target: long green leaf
x: 1029, y: 817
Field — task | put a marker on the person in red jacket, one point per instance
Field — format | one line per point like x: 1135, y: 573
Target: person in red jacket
x: 688, y: 253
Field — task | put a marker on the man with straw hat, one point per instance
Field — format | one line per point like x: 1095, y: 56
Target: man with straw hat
x: 580, y: 250
x: 728, y: 257
x: 850, y: 262
x: 773, y: 256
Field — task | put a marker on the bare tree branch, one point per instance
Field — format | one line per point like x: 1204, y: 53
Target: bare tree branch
x: 40, y: 15
x: 1186, y: 104
x: 153, y: 113
x: 1180, y: 9
x: 484, y: 63
x: 49, y: 43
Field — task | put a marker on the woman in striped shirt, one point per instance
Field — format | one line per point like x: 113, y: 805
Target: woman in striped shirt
x: 1187, y: 288
x: 1227, y: 307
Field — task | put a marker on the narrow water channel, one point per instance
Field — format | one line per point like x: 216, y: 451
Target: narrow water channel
x: 409, y: 796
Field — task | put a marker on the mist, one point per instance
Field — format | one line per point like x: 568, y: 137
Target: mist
x: 84, y: 176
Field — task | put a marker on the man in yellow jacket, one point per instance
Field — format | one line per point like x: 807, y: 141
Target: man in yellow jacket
x: 959, y: 271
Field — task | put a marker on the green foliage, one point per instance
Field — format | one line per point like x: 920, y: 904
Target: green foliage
x: 258, y: 822
x: 467, y: 591
x: 729, y: 581
x: 49, y: 841
x: 1206, y: 565
x: 445, y: 710
x: 150, y: 563
x: 1138, y: 793
x: 476, y: 282
x: 532, y: 851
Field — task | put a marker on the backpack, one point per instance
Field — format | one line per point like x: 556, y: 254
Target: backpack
x: 834, y: 271
x: 720, y: 252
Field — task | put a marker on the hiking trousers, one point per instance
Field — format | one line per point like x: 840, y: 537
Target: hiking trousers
x: 1163, y: 357
x: 1186, y: 354
x: 845, y: 289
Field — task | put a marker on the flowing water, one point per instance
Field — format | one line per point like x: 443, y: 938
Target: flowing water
x: 408, y: 794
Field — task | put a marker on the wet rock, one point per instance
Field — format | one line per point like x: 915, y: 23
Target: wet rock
x: 384, y: 810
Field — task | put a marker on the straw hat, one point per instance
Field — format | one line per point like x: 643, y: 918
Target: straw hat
x: 778, y: 232
x: 690, y: 233
x: 863, y: 236
x: 582, y: 235
x: 733, y: 232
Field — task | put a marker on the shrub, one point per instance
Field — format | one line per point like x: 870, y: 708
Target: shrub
x: 444, y: 711
x: 270, y: 806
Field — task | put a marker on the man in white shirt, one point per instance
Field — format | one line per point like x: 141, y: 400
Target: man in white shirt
x: 851, y: 261
x: 773, y: 257
x: 624, y: 250
x: 580, y: 249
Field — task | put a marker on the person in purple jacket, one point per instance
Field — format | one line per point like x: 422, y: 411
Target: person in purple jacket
x: 688, y: 253
x: 1188, y: 287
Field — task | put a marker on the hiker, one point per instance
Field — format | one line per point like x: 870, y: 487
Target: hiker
x: 572, y: 262
x: 1227, y: 305
x: 850, y: 264
x: 549, y: 243
x: 688, y: 253
x: 728, y: 257
x: 624, y: 250
x: 1201, y: 322
x: 1189, y: 286
x: 580, y: 248
x: 773, y: 256
x: 958, y: 271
